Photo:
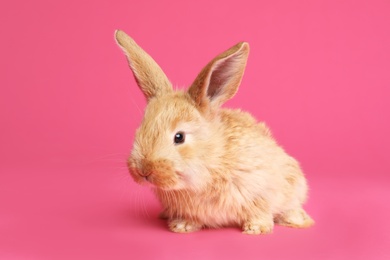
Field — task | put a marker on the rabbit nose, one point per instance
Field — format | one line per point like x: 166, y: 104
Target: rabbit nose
x: 145, y: 173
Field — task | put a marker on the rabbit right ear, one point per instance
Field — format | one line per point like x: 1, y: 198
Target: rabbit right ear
x: 149, y: 76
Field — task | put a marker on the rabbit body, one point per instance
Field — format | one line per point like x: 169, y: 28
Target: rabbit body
x: 228, y: 170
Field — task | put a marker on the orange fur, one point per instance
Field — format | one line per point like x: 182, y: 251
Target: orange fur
x: 230, y: 170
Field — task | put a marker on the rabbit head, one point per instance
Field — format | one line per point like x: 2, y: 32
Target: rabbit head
x: 180, y: 136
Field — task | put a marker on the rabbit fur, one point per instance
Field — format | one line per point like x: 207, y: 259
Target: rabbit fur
x: 229, y: 170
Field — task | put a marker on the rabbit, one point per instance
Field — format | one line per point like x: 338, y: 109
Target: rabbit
x: 211, y: 167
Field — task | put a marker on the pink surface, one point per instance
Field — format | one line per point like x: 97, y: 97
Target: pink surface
x: 318, y: 74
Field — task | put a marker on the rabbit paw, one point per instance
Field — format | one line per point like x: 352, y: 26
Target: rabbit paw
x: 183, y: 226
x: 296, y: 218
x: 255, y: 228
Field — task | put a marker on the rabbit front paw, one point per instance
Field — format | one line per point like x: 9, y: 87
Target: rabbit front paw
x: 256, y: 228
x: 183, y: 226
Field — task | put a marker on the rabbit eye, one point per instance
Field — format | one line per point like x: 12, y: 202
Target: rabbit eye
x: 179, y: 138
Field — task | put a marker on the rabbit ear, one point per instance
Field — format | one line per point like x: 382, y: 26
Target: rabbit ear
x: 219, y: 80
x: 149, y: 76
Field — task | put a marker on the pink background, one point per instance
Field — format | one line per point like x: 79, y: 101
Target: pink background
x: 318, y: 74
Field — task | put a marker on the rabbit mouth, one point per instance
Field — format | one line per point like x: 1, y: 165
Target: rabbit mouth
x: 158, y: 173
x: 161, y: 180
x: 147, y: 181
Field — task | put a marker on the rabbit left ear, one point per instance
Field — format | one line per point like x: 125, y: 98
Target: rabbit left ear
x: 149, y: 76
x: 220, y: 79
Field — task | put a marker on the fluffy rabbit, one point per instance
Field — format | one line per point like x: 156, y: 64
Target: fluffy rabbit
x: 210, y: 166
